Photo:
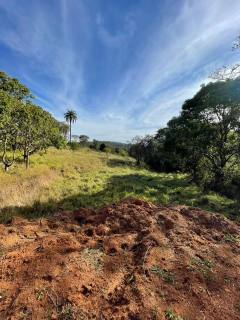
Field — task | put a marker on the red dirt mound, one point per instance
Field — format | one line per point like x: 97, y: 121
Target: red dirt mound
x: 131, y: 261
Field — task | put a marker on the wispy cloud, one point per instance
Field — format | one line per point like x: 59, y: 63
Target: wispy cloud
x: 121, y: 36
x: 125, y: 68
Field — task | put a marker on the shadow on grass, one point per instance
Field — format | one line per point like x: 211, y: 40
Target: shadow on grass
x: 113, y: 163
x: 164, y: 189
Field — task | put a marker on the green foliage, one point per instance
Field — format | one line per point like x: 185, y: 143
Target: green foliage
x: 102, y: 146
x: 64, y: 129
x: 74, y: 145
x: 66, y: 180
x: 123, y: 152
x: 167, y: 276
x: 107, y: 150
x: 71, y: 117
x: 204, y: 266
x: 170, y: 315
x: 203, y: 141
x: 83, y: 140
x: 14, y: 88
x: 24, y: 126
x: 233, y: 238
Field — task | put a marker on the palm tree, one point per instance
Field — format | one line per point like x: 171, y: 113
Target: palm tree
x: 71, y: 117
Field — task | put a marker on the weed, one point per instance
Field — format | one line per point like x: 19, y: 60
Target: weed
x: 228, y: 237
x: 167, y: 276
x: 93, y: 258
x: 66, y: 312
x: 39, y: 294
x: 170, y: 315
x: 204, y: 266
x: 25, y: 314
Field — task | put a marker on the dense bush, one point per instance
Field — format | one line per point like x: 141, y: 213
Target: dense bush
x: 74, y: 145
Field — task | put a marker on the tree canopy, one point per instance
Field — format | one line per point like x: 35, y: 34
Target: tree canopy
x: 24, y: 126
x: 204, y: 140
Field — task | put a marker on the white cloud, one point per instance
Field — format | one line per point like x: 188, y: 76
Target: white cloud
x: 164, y: 67
x: 177, y: 56
x: 118, y: 39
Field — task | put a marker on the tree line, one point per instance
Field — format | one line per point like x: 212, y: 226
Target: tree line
x: 25, y: 127
x: 204, y: 140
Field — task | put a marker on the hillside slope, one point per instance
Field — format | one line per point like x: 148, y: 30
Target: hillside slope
x: 133, y: 260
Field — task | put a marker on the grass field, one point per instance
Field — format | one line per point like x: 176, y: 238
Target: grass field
x: 66, y: 180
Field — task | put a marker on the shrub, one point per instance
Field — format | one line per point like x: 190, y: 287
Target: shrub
x: 123, y: 152
x: 73, y: 145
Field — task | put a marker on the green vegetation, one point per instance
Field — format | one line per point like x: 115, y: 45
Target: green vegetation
x: 167, y: 276
x: 71, y: 117
x: 66, y: 180
x: 204, y: 139
x: 233, y: 238
x: 25, y: 128
x: 170, y: 315
x: 204, y: 266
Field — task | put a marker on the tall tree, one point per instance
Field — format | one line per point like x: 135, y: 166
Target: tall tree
x: 9, y: 128
x: 38, y: 130
x: 64, y: 129
x: 14, y: 88
x: 71, y: 117
x: 228, y: 72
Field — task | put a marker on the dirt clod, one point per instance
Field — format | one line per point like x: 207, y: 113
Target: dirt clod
x: 131, y: 260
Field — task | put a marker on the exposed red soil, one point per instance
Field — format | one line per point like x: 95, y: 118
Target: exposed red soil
x: 131, y: 261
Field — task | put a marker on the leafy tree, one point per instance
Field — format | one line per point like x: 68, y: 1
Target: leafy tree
x: 95, y: 144
x: 83, y: 140
x: 75, y: 138
x: 123, y: 152
x: 38, y: 130
x: 215, y: 110
x: 14, y: 88
x: 107, y: 150
x: 23, y: 125
x: 9, y: 128
x: 102, y: 146
x: 64, y: 129
x: 71, y: 117
x: 204, y: 140
x: 137, y: 148
x: 228, y: 72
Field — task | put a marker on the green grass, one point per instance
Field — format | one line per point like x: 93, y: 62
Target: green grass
x: 170, y: 315
x: 167, y: 276
x: 67, y: 180
x: 204, y: 266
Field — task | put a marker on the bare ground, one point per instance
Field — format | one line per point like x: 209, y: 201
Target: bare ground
x: 131, y: 261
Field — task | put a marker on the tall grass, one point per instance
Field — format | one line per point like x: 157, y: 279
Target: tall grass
x: 67, y: 180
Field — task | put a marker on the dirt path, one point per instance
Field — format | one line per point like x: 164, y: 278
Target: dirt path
x: 128, y: 261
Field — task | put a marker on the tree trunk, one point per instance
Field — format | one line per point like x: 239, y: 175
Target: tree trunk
x: 70, y: 131
x: 6, y: 167
x: 27, y: 160
x: 218, y: 181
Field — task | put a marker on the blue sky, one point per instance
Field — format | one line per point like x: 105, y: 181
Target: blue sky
x: 125, y: 66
